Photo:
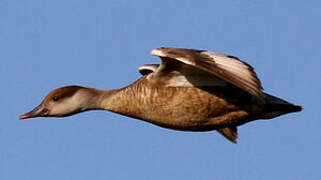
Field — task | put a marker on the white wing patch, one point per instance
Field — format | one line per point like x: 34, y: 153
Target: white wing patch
x: 233, y: 66
x: 230, y: 64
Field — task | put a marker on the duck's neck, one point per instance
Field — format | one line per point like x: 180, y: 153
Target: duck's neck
x: 127, y: 101
x: 122, y: 101
x: 103, y: 99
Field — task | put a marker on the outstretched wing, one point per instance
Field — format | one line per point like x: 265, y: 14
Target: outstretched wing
x: 190, y: 67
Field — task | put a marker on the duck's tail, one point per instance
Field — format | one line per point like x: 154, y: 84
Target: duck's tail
x: 275, y: 106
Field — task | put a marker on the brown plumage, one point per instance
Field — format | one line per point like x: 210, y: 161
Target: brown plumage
x: 191, y: 90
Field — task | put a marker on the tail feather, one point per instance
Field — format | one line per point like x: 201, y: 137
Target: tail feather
x: 275, y: 107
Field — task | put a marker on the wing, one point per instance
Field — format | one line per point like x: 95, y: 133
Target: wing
x: 147, y: 68
x: 189, y: 67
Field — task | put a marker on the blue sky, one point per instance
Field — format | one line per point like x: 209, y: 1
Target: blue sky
x: 47, y: 44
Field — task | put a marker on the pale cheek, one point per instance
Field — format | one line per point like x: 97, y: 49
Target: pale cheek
x: 57, y: 110
x: 67, y: 106
x: 61, y: 110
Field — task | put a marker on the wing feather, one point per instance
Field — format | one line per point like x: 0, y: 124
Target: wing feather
x: 147, y: 68
x: 224, y: 67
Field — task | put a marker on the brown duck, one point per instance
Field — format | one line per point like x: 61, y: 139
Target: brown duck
x: 191, y: 90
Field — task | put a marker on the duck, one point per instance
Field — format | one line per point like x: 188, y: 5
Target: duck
x: 190, y: 90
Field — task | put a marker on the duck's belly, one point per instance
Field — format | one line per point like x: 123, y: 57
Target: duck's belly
x: 178, y: 108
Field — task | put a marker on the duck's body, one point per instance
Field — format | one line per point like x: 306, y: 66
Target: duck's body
x: 180, y: 108
x: 191, y: 90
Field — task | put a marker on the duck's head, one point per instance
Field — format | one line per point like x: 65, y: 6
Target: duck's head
x: 63, y: 102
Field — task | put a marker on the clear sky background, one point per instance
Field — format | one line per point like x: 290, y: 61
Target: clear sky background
x: 47, y: 44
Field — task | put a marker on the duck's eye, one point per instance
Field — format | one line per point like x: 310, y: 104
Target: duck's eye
x: 55, y: 98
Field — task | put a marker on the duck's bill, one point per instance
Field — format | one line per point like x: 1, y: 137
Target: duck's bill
x: 39, y: 111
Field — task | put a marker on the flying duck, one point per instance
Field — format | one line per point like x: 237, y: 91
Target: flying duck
x: 191, y: 90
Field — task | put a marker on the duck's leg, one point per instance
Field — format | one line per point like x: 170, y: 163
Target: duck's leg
x: 229, y: 133
x: 231, y: 118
